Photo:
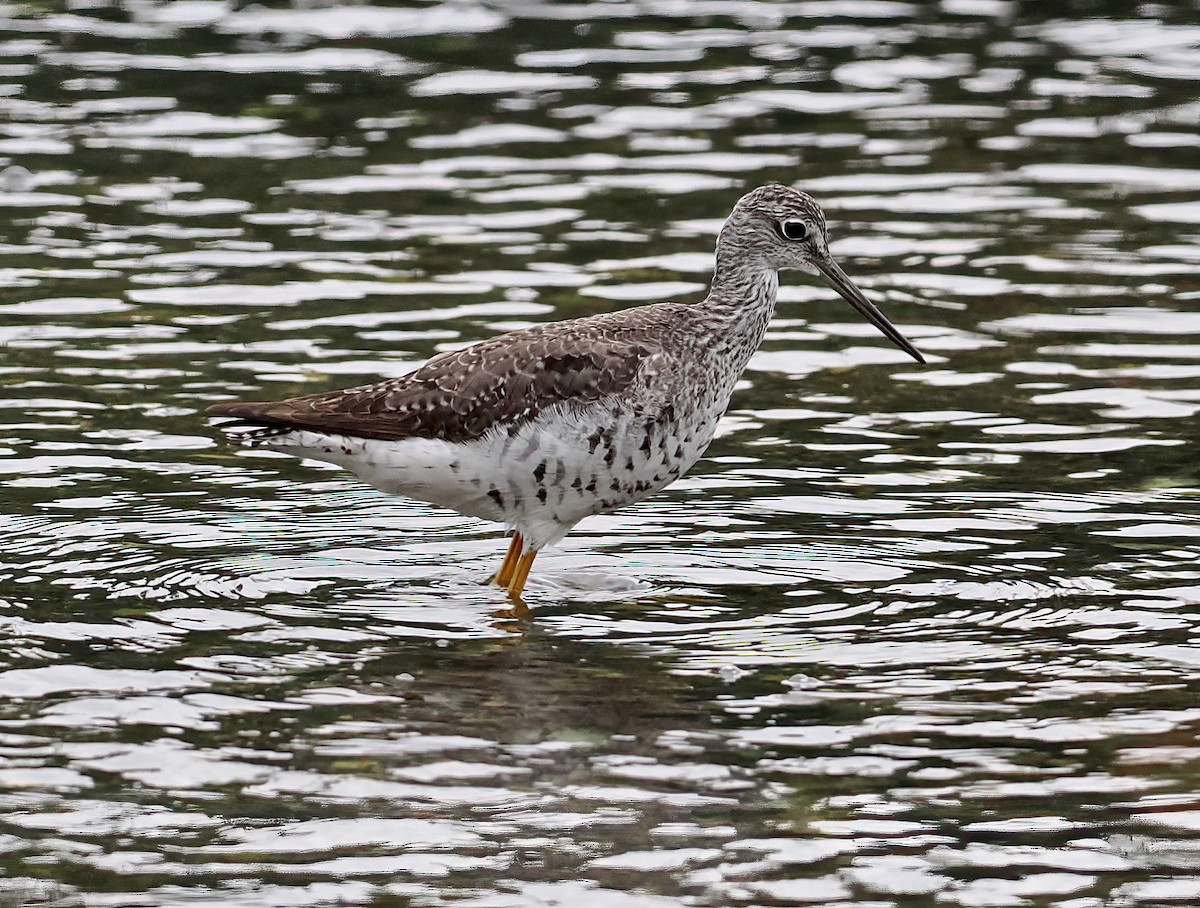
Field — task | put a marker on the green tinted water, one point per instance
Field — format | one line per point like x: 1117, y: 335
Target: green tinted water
x: 906, y: 637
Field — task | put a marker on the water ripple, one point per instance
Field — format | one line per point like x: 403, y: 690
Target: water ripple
x: 904, y: 636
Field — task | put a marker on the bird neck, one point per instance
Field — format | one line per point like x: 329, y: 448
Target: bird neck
x: 735, y: 314
x: 743, y: 289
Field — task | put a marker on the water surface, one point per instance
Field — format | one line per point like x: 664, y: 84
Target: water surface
x: 905, y: 637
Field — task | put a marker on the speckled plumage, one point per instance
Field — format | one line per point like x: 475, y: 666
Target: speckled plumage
x: 540, y: 428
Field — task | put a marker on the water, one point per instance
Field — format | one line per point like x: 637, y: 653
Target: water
x: 906, y: 637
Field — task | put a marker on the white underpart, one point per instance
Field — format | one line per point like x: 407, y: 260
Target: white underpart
x: 535, y: 481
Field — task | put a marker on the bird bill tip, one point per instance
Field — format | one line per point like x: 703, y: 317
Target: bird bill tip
x: 846, y: 289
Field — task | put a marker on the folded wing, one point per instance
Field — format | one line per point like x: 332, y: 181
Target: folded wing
x: 462, y: 394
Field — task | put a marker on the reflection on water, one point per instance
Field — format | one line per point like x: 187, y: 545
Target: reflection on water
x: 905, y: 637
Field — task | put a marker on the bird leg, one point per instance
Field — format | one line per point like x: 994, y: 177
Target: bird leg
x: 516, y: 585
x: 519, y: 612
x: 503, y: 576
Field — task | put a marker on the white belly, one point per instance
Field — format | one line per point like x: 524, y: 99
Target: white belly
x: 557, y: 469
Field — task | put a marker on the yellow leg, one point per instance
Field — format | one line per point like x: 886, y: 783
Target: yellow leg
x: 516, y: 586
x: 503, y: 576
x: 520, y: 611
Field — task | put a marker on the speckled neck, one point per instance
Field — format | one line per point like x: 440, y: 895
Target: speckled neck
x: 744, y: 287
x: 740, y: 302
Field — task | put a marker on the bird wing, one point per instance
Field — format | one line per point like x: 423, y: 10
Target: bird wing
x: 461, y: 394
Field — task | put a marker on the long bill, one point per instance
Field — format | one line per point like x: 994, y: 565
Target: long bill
x: 845, y: 287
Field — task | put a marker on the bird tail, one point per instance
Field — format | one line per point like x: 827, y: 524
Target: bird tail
x: 247, y: 423
x: 242, y: 409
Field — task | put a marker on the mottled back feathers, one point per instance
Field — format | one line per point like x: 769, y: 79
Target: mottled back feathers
x: 462, y: 394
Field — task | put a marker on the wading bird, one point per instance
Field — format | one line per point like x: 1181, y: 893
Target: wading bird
x: 540, y: 428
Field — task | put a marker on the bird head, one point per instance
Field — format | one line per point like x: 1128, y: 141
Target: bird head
x: 780, y: 229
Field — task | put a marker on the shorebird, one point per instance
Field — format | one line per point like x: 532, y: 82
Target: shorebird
x: 539, y: 428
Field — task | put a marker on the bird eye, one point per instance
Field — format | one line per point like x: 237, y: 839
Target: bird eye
x: 794, y: 230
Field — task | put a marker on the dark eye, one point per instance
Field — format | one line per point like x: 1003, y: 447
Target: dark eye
x: 794, y: 230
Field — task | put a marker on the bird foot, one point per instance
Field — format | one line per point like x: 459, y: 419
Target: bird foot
x: 519, y: 611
